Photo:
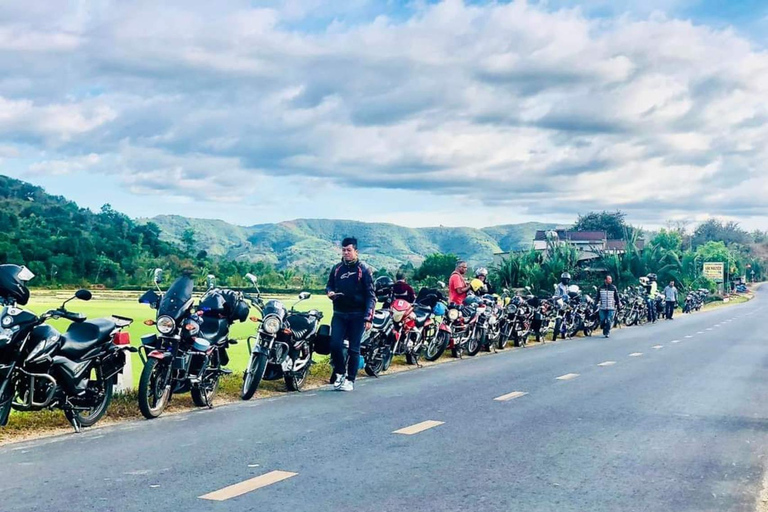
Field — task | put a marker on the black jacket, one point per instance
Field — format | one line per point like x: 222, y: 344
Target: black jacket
x: 355, y: 281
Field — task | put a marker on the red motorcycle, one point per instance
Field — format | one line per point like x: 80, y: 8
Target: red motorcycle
x: 413, y: 328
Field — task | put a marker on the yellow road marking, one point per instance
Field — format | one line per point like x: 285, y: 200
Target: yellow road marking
x: 419, y: 427
x: 568, y: 376
x: 510, y: 396
x: 607, y: 363
x: 248, y: 485
x: 635, y: 354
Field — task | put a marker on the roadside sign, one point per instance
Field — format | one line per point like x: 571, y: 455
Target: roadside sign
x: 714, y: 271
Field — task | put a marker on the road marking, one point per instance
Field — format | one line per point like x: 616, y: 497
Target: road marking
x: 689, y: 336
x: 709, y: 329
x: 675, y: 341
x: 607, y: 363
x: 568, y: 376
x: 248, y: 485
x: 419, y: 427
x: 510, y: 396
x: 657, y: 347
x: 635, y: 354
x: 700, y: 332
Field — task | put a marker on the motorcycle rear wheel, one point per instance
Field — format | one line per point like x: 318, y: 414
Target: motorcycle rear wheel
x: 204, y: 398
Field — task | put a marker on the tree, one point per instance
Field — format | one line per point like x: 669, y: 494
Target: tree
x: 612, y: 223
x: 667, y: 240
x: 188, y: 239
x: 439, y: 266
x: 715, y: 230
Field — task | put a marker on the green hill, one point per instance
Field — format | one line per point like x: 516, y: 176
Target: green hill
x: 312, y: 243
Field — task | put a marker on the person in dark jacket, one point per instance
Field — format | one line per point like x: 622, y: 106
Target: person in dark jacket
x: 402, y: 290
x: 350, y: 287
x: 609, y: 304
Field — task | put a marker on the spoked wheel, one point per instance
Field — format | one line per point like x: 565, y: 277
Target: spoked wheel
x: 473, y: 345
x: 204, y: 393
x: 154, y: 388
x: 253, y: 375
x: 437, y: 346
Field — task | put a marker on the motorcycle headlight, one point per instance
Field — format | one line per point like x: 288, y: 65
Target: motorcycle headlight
x: 165, y: 324
x: 271, y: 325
x: 453, y: 314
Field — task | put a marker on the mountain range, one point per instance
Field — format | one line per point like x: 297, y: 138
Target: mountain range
x: 313, y: 243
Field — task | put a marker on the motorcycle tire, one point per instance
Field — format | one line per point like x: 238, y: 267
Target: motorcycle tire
x: 410, y: 358
x: 437, y: 346
x: 94, y: 414
x: 296, y: 381
x: 253, y: 375
x: 5, y: 409
x: 205, y: 398
x: 387, y: 358
x: 556, y: 330
x: 152, y: 407
x: 374, y: 365
x: 473, y: 345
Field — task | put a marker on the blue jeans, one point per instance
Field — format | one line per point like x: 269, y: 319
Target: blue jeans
x: 606, y: 320
x: 349, y: 326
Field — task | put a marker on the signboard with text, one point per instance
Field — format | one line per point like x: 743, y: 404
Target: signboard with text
x: 714, y: 271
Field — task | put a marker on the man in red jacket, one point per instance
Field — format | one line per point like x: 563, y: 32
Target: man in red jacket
x: 402, y: 290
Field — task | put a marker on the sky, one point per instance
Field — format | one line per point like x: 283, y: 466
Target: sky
x: 419, y: 113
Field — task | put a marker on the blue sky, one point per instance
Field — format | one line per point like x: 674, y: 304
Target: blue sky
x: 418, y: 113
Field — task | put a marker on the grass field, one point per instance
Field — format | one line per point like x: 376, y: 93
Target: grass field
x: 108, y: 303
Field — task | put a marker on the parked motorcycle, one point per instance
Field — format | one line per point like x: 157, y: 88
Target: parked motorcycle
x: 41, y: 368
x: 188, y: 353
x: 284, y: 344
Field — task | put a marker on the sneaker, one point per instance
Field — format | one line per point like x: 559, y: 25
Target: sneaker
x: 340, y: 379
x: 607, y: 335
x: 347, y: 386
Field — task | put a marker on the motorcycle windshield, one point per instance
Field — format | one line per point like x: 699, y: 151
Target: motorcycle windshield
x: 274, y: 307
x: 176, y: 298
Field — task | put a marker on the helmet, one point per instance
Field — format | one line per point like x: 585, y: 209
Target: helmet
x: 643, y: 280
x: 652, y: 277
x: 481, y: 271
x: 383, y: 286
x: 565, y: 277
x: 13, y: 283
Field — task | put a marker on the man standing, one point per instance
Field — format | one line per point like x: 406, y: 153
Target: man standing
x: 350, y: 287
x: 402, y: 290
x: 609, y: 303
x: 670, y: 298
x: 457, y: 285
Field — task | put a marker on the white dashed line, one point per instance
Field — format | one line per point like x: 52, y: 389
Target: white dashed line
x: 510, y: 396
x: 607, y: 363
x: 635, y: 354
x: 657, y: 347
x: 568, y: 376
x: 675, y: 341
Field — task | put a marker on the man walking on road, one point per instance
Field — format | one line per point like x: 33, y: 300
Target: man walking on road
x: 609, y: 303
x: 670, y: 298
x: 350, y: 287
x: 457, y: 285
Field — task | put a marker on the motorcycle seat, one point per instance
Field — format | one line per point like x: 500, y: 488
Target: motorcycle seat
x: 82, y: 337
x: 422, y: 314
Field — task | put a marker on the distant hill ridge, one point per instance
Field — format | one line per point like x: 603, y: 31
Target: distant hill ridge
x: 312, y: 243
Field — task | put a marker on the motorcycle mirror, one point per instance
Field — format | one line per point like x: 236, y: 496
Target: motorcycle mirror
x: 304, y: 295
x: 158, y: 276
x: 83, y: 295
x: 252, y: 278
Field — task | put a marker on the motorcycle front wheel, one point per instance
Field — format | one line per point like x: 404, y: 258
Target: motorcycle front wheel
x: 154, y: 390
x: 205, y: 392
x: 437, y: 346
x: 253, y: 375
x: 473, y: 344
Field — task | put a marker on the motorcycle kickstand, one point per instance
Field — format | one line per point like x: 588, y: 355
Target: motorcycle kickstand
x: 72, y: 418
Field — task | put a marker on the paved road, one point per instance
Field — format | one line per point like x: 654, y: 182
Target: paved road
x: 681, y: 427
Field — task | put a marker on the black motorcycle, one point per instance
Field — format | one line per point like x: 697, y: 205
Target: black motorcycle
x: 41, y: 368
x: 188, y: 354
x: 283, y: 346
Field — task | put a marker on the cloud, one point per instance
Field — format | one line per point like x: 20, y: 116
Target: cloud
x: 546, y: 111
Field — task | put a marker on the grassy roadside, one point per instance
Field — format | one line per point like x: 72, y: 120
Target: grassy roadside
x: 31, y: 425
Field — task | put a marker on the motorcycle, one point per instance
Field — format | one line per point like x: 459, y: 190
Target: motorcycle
x: 188, y: 353
x: 413, y: 327
x: 41, y: 368
x: 284, y: 344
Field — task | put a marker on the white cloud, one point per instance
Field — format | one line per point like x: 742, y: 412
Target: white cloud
x: 511, y: 105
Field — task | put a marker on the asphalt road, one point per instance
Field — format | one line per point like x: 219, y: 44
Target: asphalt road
x: 681, y: 427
